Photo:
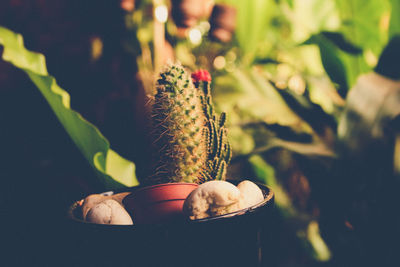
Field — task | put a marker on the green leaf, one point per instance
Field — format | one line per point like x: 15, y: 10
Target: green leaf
x: 253, y: 18
x: 113, y: 170
x: 259, y: 99
x: 362, y: 22
x: 312, y: 113
x: 315, y: 149
x: 394, y: 26
x: 342, y: 68
x: 266, y: 173
x: 333, y: 64
x: 310, y: 17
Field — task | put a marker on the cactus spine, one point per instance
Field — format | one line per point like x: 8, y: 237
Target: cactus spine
x: 178, y: 128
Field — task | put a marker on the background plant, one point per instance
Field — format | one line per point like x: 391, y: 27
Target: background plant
x: 283, y: 80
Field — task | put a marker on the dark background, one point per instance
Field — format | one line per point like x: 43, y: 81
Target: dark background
x: 41, y: 170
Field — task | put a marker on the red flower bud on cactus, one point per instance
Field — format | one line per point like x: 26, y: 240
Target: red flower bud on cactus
x: 201, y: 75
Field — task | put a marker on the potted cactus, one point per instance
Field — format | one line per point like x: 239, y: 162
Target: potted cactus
x: 192, y: 149
x: 190, y: 144
x: 191, y: 155
x: 189, y: 140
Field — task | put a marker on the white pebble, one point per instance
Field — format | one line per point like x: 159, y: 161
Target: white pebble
x: 109, y: 211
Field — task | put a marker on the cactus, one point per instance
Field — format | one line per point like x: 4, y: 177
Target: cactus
x: 190, y: 140
x: 178, y: 128
x: 219, y: 151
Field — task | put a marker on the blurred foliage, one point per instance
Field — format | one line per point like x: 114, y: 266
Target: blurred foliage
x: 285, y: 82
x: 394, y: 26
x: 113, y: 170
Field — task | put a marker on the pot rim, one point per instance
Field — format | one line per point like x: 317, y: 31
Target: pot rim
x: 268, y: 200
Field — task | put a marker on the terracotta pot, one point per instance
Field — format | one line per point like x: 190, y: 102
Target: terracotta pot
x: 158, y: 203
x: 242, y: 238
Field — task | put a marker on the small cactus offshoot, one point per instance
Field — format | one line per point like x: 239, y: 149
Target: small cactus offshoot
x: 191, y: 141
x: 219, y: 151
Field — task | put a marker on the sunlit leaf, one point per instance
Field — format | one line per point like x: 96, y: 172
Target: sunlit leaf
x: 342, y: 68
x: 312, y: 16
x: 333, y: 64
x: 320, y: 249
x: 323, y: 93
x: 113, y: 170
x: 252, y: 20
x: 266, y: 174
x: 246, y: 91
x: 362, y: 22
x: 394, y: 26
x: 314, y: 149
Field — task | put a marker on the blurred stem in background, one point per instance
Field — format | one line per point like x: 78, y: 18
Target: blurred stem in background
x: 160, y: 17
